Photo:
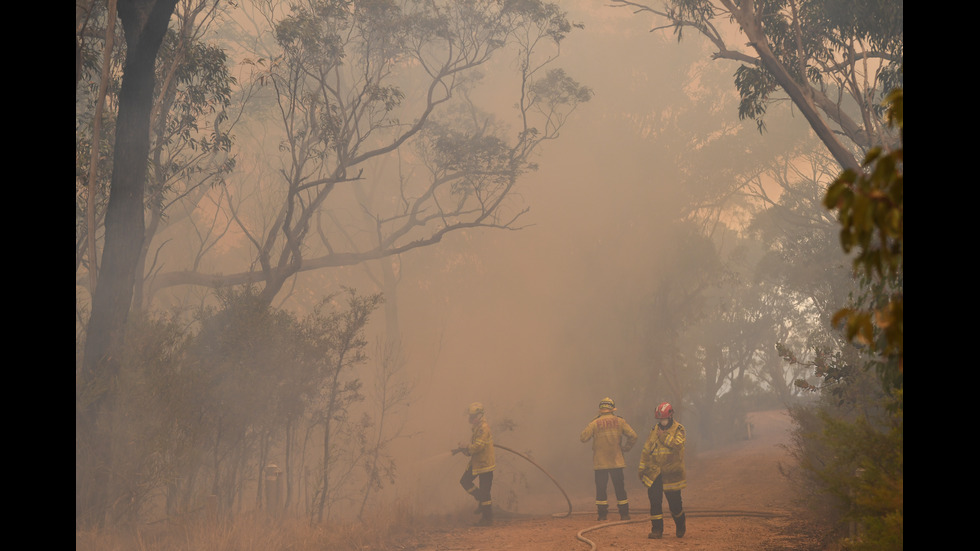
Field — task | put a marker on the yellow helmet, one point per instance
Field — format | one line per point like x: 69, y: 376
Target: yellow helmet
x: 476, y: 408
x: 607, y: 403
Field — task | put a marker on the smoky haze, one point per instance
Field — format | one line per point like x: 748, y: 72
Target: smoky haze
x: 538, y: 324
x: 535, y: 323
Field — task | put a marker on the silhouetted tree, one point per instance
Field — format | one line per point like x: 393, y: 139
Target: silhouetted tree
x: 835, y: 60
x: 144, y: 23
x: 870, y: 206
x: 336, y: 345
x: 850, y: 446
x: 190, y: 139
x: 354, y: 82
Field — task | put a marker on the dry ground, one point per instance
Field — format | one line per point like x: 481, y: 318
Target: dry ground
x: 736, y: 499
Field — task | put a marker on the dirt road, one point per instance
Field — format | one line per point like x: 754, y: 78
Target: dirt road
x: 736, y: 499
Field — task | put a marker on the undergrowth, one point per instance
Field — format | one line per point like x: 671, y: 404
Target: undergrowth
x: 380, y: 530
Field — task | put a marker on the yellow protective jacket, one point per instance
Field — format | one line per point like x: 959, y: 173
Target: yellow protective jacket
x: 663, y: 454
x: 480, y: 450
x: 607, y: 432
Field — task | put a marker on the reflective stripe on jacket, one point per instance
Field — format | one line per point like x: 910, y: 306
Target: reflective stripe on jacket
x: 663, y: 454
x: 480, y: 449
x: 607, y: 432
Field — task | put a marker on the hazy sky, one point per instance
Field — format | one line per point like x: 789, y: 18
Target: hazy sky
x: 530, y: 322
x: 526, y: 322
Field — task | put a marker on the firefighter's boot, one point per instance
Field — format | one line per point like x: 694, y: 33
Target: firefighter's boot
x: 624, y: 511
x: 487, y: 515
x: 656, y: 529
x: 603, y: 511
x: 680, y: 522
x: 474, y: 492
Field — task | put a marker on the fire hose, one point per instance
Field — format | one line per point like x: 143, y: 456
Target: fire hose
x: 531, y: 461
x: 695, y: 513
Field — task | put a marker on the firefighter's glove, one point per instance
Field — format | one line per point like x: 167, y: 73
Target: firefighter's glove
x: 461, y: 449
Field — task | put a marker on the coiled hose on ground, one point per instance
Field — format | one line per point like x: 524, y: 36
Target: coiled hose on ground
x: 695, y: 513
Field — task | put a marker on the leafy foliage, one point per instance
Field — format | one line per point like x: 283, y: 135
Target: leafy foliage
x: 209, y: 402
x: 191, y: 139
x: 854, y: 450
x: 833, y: 59
x: 855, y: 456
x: 827, y: 365
x: 143, y: 412
x: 870, y: 208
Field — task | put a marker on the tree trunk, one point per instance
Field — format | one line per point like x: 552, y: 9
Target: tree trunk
x: 144, y: 23
x: 749, y: 21
x: 93, y: 257
x: 325, y: 467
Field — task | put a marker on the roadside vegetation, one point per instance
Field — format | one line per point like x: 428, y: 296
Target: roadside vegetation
x: 391, y: 527
x: 850, y: 444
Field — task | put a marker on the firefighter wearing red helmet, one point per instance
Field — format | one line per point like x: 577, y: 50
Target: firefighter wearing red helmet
x: 611, y: 435
x: 662, y: 471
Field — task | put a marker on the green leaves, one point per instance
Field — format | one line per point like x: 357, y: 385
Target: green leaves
x: 871, y: 210
x: 557, y: 88
x: 754, y: 87
x: 866, y: 472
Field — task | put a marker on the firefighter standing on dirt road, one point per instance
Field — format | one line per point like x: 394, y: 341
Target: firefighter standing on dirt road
x: 662, y: 471
x: 481, y: 465
x: 607, y: 431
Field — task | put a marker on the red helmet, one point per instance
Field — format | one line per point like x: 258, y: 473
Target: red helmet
x: 664, y: 411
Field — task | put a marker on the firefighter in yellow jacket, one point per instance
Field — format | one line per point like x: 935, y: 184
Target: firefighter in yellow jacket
x: 481, y: 465
x: 662, y: 471
x: 607, y: 432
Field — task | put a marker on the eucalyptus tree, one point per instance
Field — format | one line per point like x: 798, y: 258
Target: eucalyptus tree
x: 190, y: 134
x: 191, y: 127
x: 849, y: 445
x: 871, y: 211
x: 355, y: 82
x: 834, y: 60
x: 721, y: 352
x: 161, y: 80
x: 790, y: 272
x: 717, y: 332
x: 144, y: 22
x: 391, y: 391
x: 678, y: 302
x: 210, y: 405
x: 336, y: 344
x: 758, y: 269
x: 802, y: 268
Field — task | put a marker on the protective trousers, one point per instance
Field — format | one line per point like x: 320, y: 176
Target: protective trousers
x: 602, y: 477
x: 656, y: 494
x: 481, y: 493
